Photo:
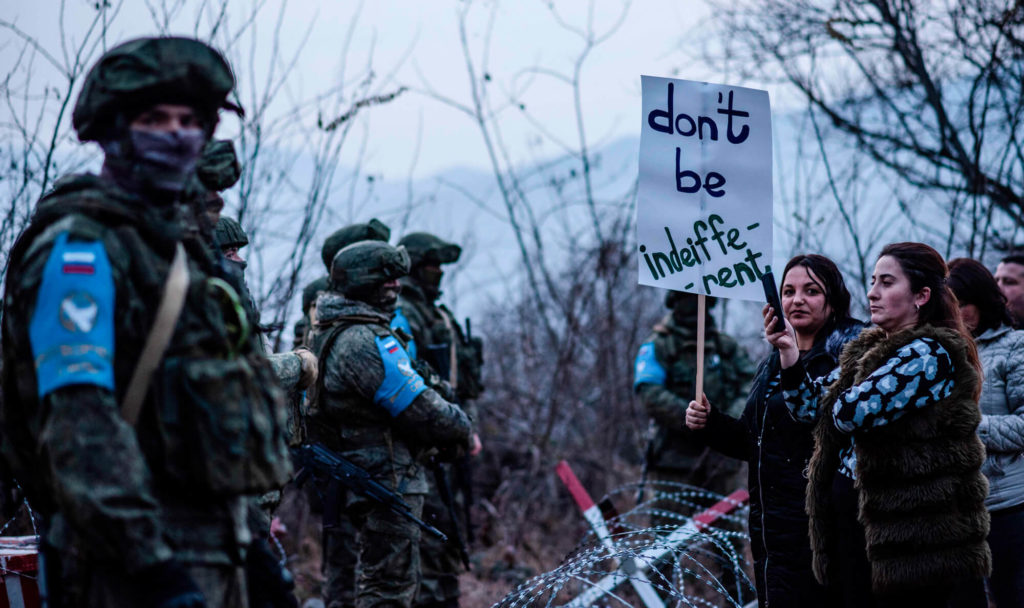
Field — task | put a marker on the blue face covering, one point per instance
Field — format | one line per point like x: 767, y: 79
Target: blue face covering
x: 157, y: 160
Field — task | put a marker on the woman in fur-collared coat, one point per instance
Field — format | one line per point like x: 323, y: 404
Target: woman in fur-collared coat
x: 896, y: 496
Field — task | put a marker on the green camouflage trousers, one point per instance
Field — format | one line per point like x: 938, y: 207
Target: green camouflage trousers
x: 341, y: 557
x: 439, y: 561
x: 389, y: 553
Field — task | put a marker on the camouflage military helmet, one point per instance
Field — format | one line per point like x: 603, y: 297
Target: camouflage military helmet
x: 374, y: 230
x: 229, y: 233
x: 218, y: 168
x: 309, y: 292
x: 368, y: 263
x: 140, y: 73
x: 425, y: 248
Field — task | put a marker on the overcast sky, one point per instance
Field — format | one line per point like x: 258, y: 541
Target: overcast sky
x: 417, y: 44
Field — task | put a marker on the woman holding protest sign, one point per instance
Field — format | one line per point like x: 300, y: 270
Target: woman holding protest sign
x: 777, y: 448
x: 1001, y: 349
x: 895, y: 495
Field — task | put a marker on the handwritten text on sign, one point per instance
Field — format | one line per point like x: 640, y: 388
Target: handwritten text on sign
x: 704, y: 214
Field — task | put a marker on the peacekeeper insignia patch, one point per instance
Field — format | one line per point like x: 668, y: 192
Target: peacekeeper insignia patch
x: 72, y: 326
x: 400, y: 321
x: 647, y: 370
x: 402, y: 384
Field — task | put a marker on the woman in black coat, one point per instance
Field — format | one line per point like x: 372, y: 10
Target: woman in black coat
x: 777, y: 448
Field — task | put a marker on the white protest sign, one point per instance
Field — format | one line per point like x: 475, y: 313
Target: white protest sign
x: 704, y: 208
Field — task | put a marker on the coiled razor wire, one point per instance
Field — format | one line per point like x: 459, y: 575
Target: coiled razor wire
x: 709, y: 568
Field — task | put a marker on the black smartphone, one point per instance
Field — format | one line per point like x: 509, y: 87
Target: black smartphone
x: 771, y: 296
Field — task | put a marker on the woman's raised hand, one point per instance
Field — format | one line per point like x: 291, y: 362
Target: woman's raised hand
x: 785, y: 340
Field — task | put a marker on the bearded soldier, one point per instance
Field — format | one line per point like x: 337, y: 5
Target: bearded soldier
x: 439, y: 341
x: 665, y: 380
x: 371, y: 406
x: 138, y: 434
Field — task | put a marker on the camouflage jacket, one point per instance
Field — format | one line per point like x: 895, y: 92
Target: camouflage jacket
x: 665, y: 377
x: 438, y: 340
x: 369, y: 403
x: 175, y: 483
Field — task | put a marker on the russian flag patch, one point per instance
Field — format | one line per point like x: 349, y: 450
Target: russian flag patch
x: 78, y: 262
x: 391, y: 346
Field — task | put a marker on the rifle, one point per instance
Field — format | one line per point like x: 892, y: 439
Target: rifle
x: 313, y: 459
x: 444, y: 487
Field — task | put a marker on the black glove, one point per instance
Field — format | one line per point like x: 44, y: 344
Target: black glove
x: 168, y: 585
x: 270, y: 584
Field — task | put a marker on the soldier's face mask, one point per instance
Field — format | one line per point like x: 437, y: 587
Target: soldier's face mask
x: 158, y: 160
x: 231, y: 255
x: 170, y: 156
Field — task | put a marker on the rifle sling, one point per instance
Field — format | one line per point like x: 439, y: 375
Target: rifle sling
x: 167, y: 313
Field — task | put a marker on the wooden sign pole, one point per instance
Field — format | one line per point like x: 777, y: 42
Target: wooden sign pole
x: 701, y: 314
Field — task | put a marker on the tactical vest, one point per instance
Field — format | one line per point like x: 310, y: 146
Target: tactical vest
x: 352, y: 422
x: 455, y: 356
x: 921, y: 490
x: 721, y: 382
x: 213, y: 419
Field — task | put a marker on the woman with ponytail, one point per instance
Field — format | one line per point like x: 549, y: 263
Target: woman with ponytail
x: 895, y: 495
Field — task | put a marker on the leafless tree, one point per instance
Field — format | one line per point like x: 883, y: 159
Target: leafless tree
x: 928, y: 91
x: 561, y: 343
x: 36, y: 143
x: 290, y: 143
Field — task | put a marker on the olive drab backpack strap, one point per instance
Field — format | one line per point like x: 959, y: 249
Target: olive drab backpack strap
x: 339, y: 325
x: 453, y: 363
x: 320, y: 387
x: 171, y: 304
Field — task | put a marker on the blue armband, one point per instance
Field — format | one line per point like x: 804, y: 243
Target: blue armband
x: 402, y: 384
x: 647, y: 369
x: 400, y: 321
x: 72, y: 326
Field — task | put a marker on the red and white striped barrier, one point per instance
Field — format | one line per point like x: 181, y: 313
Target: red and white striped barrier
x: 19, y: 567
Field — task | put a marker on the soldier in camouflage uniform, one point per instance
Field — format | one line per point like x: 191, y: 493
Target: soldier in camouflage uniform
x: 218, y: 169
x: 374, y: 408
x: 295, y: 370
x: 310, y: 293
x: 438, y: 340
x: 339, y: 534
x: 665, y: 382
x: 142, y: 473
x: 231, y: 238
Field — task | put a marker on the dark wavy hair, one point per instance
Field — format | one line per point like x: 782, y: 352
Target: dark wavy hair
x: 830, y: 280
x: 925, y: 268
x: 972, y: 283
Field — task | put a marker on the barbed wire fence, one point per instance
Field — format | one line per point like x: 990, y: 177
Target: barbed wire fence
x: 679, y: 545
